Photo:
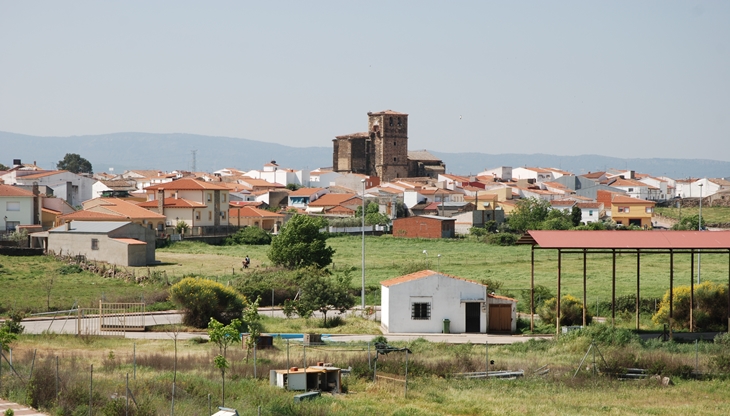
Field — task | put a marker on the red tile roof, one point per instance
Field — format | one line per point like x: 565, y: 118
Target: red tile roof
x: 186, y: 184
x: 632, y: 239
x: 42, y: 174
x: 421, y: 275
x: 92, y: 216
x: 335, y: 199
x: 173, y: 203
x: 247, y: 212
x: 8, y: 190
x: 305, y: 191
x: 621, y: 199
x: 128, y: 241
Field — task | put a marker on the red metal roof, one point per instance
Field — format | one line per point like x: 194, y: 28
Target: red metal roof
x: 632, y: 239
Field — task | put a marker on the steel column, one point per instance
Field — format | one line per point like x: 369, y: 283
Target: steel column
x: 638, y: 289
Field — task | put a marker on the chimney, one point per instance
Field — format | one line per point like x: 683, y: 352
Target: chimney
x: 67, y: 226
x: 37, y: 204
x: 161, y: 201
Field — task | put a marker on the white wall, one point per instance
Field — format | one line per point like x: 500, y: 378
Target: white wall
x: 446, y: 296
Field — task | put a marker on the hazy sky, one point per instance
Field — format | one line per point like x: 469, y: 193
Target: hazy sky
x: 618, y: 78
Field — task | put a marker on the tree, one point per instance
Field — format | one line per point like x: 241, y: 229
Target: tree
x: 73, y: 162
x: 529, y: 214
x: 710, y: 311
x: 372, y: 214
x: 556, y: 220
x: 320, y: 292
x: 571, y: 311
x: 576, y: 215
x: 249, y: 236
x: 3, y: 167
x: 292, y: 186
x: 223, y: 336
x: 181, y: 227
x: 252, y: 321
x: 203, y: 299
x: 689, y: 223
x: 300, y: 244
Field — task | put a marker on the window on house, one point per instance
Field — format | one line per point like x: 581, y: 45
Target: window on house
x: 623, y: 209
x: 395, y: 159
x: 12, y: 206
x: 210, y: 197
x: 94, y: 243
x: 11, y: 225
x: 223, y: 215
x: 590, y: 212
x: 224, y: 197
x: 631, y: 189
x: 421, y: 311
x: 394, y: 143
x: 390, y: 121
x: 197, y: 215
x: 649, y: 210
x: 400, y: 123
x: 210, y: 215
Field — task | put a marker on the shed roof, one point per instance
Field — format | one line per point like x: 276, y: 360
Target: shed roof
x: 657, y: 239
x: 421, y: 275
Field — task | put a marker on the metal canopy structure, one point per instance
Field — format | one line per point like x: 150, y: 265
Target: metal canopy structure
x: 626, y: 242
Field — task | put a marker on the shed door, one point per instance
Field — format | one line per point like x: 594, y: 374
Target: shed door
x: 473, y: 312
x: 500, y: 318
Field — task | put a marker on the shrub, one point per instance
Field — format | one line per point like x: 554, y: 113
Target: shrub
x: 502, y: 239
x: 571, y: 311
x: 70, y: 269
x: 202, y: 299
x: 300, y: 244
x: 710, y: 307
x: 250, y: 236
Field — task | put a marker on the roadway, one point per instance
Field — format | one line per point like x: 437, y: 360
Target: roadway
x: 69, y: 325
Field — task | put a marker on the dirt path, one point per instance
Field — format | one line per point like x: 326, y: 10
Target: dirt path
x: 19, y: 410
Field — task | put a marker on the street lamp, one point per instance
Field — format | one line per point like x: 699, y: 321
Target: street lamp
x: 362, y: 293
x: 699, y: 227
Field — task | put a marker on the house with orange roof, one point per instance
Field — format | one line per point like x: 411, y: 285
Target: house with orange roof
x: 71, y: 187
x: 636, y: 189
x: 117, y: 242
x: 145, y: 178
x: 452, y: 182
x: 16, y: 208
x: 627, y: 211
x: 433, y: 302
x: 116, y: 209
x: 250, y: 216
x: 255, y: 184
x: 336, y: 204
x: 200, y: 204
x: 591, y: 211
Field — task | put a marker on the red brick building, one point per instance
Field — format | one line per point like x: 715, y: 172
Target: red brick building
x: 425, y: 226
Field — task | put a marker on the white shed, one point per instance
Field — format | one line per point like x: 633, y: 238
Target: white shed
x: 421, y: 301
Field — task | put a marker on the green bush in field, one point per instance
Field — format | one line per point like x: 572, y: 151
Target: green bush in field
x: 254, y: 236
x: 710, y: 311
x: 301, y: 244
x: 202, y: 299
x: 502, y: 239
x: 571, y: 311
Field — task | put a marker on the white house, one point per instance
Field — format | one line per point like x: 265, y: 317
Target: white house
x: 591, y: 211
x: 66, y: 185
x: 274, y: 174
x: 422, y: 301
x: 16, y: 207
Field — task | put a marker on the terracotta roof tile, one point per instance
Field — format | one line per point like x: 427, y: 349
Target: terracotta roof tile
x: 8, y: 190
x: 421, y: 275
x: 172, y: 203
x: 186, y: 184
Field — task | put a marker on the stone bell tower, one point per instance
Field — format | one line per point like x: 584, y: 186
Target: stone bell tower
x: 388, y: 134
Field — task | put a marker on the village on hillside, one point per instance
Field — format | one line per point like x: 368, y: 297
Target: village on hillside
x: 414, y: 195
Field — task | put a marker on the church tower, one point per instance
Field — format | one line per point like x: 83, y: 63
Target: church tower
x: 388, y: 150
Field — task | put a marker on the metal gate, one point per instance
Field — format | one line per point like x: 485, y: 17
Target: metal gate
x: 111, y: 319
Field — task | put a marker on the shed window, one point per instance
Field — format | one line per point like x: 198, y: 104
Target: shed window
x: 421, y: 311
x: 94, y: 243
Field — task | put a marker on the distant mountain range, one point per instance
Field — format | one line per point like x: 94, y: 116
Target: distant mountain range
x: 123, y: 151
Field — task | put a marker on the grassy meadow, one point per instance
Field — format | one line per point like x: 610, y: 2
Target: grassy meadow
x: 433, y: 387
x: 40, y: 283
x: 711, y: 215
x: 387, y: 257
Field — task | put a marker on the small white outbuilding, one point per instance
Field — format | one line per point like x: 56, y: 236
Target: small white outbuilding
x: 423, y: 301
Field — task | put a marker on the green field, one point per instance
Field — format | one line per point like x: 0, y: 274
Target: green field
x: 25, y: 279
x: 711, y: 215
x: 387, y: 257
x: 38, y: 283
